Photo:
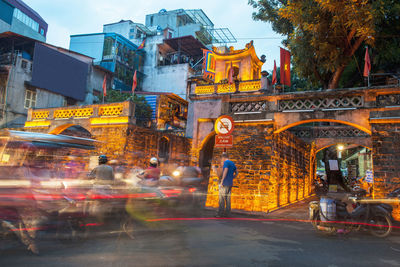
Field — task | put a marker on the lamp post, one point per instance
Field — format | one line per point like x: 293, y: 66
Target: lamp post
x: 340, y: 148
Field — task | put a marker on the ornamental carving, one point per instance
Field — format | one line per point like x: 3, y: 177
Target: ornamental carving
x: 257, y: 106
x: 114, y: 110
x: 76, y: 113
x: 321, y: 103
x: 387, y: 100
x: 328, y: 132
x: 40, y: 115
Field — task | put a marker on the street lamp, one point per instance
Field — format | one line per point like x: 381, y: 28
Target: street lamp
x: 340, y: 148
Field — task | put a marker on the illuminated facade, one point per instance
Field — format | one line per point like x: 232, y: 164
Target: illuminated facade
x: 245, y: 63
x: 275, y: 157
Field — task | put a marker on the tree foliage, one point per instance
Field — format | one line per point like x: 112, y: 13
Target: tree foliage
x: 322, y: 35
x: 142, y: 108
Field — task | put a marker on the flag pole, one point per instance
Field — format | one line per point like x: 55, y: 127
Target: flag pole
x: 103, y: 98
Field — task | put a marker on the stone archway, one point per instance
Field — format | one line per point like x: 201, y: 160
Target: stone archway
x: 319, y: 143
x: 164, y: 149
x: 72, y: 130
x: 282, y: 126
x: 206, y: 154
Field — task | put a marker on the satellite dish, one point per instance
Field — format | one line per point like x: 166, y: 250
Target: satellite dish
x: 162, y: 11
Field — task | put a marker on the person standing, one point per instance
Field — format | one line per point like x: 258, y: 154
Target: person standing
x: 229, y: 172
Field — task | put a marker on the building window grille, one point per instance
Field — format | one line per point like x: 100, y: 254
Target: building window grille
x: 30, y: 99
x: 24, y: 64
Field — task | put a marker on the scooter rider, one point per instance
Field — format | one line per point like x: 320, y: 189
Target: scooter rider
x: 152, y: 174
x: 102, y: 171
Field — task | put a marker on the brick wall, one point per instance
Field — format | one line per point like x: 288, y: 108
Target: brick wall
x: 273, y: 169
x: 386, y: 160
x: 135, y: 145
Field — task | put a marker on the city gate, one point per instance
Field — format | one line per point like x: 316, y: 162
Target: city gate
x: 275, y: 153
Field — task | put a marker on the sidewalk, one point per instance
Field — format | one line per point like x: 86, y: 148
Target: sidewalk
x: 297, y: 210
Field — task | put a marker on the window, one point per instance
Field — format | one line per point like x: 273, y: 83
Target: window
x: 24, y: 64
x: 21, y: 16
x: 42, y: 31
x: 30, y: 99
x: 163, y: 152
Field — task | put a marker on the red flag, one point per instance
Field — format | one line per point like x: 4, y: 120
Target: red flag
x: 285, y: 67
x: 141, y: 46
x: 134, y: 84
x: 105, y: 86
x: 367, y: 65
x: 274, y: 80
x: 230, y: 75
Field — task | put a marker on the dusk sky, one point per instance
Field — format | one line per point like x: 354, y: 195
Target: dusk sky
x: 68, y: 17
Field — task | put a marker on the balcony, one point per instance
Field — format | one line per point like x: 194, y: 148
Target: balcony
x: 6, y: 59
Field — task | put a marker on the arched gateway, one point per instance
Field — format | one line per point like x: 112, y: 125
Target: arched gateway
x: 275, y: 153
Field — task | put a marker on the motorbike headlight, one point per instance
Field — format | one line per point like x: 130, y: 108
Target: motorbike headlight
x: 176, y: 173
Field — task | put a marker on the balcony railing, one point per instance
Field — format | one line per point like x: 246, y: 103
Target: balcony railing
x: 226, y: 88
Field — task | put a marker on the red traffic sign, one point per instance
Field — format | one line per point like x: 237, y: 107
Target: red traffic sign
x: 224, y: 125
x: 224, y: 141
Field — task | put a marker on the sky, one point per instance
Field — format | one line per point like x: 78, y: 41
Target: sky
x: 69, y: 17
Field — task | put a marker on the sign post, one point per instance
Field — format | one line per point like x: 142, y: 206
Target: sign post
x: 224, y: 127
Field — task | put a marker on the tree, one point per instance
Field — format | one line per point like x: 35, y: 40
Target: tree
x: 322, y: 35
x: 386, y: 55
x: 142, y: 108
x: 298, y: 83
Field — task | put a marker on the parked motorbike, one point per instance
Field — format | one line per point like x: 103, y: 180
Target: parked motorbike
x: 321, y: 186
x: 331, y: 216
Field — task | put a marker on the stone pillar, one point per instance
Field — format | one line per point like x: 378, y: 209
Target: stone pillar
x: 273, y: 169
x: 386, y: 160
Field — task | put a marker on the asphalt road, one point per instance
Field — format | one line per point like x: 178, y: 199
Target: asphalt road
x: 214, y: 242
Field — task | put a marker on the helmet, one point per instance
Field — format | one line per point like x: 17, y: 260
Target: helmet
x: 103, y: 159
x: 153, y: 161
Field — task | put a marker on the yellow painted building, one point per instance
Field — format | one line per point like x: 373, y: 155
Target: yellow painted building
x: 246, y: 64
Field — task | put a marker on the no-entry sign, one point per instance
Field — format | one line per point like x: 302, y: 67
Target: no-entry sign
x: 224, y: 125
x: 224, y: 141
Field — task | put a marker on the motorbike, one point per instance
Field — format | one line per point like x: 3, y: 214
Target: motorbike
x: 321, y: 186
x: 188, y: 180
x: 331, y: 216
x: 55, y: 214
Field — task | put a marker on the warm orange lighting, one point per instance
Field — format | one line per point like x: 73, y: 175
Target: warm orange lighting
x: 383, y: 120
x: 111, y: 120
x: 37, y: 124
x: 61, y: 128
x: 323, y: 120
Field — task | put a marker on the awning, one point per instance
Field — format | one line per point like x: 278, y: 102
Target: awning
x: 51, y: 140
x: 187, y: 44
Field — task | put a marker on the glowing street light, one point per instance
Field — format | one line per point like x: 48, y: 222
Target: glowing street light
x: 340, y: 147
